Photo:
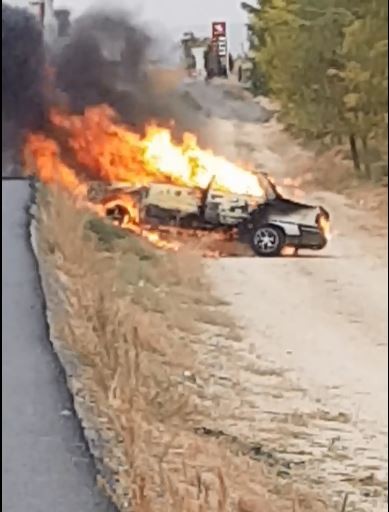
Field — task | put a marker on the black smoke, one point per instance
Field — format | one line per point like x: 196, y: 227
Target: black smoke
x: 23, y: 68
x: 106, y: 61
x: 23, y: 78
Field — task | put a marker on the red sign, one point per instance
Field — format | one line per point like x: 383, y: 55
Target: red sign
x: 219, y: 29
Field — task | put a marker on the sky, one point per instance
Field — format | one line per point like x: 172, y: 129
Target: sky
x: 174, y: 16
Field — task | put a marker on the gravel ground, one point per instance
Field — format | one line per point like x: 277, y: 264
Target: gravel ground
x: 309, y: 379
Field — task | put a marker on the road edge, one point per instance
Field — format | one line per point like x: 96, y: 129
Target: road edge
x: 65, y: 362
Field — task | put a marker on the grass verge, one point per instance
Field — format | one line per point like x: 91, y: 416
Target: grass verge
x: 124, y: 316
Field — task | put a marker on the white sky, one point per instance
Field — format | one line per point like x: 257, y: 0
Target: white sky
x: 174, y: 16
x: 173, y: 13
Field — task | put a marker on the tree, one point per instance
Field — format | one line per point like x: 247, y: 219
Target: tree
x: 365, y: 49
x: 326, y: 63
x: 256, y: 40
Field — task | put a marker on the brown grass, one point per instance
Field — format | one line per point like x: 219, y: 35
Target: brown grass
x: 127, y: 314
x: 333, y: 171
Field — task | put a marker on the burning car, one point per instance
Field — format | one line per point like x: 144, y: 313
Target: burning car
x: 268, y: 223
x: 152, y: 181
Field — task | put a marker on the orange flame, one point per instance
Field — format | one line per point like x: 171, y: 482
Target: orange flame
x: 325, y: 226
x: 113, y: 153
x: 44, y: 155
x: 108, y: 151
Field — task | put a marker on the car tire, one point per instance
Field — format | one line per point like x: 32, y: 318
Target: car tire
x: 267, y: 240
x: 119, y: 215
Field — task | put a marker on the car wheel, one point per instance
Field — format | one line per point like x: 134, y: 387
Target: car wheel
x: 267, y: 240
x: 118, y: 214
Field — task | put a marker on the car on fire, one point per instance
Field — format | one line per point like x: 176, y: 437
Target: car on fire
x: 268, y: 223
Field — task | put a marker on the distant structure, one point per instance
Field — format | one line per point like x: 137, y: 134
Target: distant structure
x: 63, y: 22
x: 193, y: 49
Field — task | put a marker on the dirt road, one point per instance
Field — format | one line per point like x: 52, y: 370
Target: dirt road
x: 46, y: 466
x: 309, y: 378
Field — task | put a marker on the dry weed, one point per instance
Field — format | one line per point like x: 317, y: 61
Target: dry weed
x: 127, y: 313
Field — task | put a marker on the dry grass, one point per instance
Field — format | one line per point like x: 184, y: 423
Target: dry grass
x: 334, y: 171
x: 127, y: 314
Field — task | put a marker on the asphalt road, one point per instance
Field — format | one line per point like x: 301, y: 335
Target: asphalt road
x: 45, y: 466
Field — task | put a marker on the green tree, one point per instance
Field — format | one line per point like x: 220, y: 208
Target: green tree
x: 256, y: 41
x: 326, y: 62
x: 365, y: 50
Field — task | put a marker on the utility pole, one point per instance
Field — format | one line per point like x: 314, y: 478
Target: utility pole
x: 44, y: 11
x: 38, y: 7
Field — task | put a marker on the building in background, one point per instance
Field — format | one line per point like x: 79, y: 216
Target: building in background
x: 193, y: 53
x: 63, y: 22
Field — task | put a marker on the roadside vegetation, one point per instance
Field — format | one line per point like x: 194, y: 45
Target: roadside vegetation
x: 126, y: 320
x: 326, y: 65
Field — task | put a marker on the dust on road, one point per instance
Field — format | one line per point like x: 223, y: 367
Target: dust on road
x: 309, y: 379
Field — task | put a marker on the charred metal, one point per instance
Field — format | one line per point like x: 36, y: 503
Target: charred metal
x: 268, y: 224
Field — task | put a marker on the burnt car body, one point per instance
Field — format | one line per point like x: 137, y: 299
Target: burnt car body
x: 268, y: 223
x: 279, y: 222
